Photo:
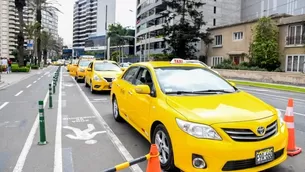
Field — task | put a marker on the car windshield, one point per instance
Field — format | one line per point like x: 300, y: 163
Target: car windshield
x: 84, y: 63
x: 106, y: 67
x: 191, y: 79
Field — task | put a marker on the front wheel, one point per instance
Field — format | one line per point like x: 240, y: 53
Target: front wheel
x: 116, y: 111
x: 162, y: 140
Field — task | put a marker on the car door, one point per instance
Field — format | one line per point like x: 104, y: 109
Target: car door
x: 88, y: 74
x: 141, y: 103
x: 123, y: 85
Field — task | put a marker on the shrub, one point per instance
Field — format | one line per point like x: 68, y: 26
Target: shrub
x: 228, y: 64
x: 34, y: 67
x: 20, y: 69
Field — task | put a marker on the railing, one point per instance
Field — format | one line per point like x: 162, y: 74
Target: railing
x: 295, y: 40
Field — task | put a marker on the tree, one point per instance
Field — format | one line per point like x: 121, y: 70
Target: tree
x: 182, y: 36
x: 47, y: 43
x: 119, y: 35
x: 20, y: 4
x: 265, y: 48
x: 39, y: 6
x: 31, y: 32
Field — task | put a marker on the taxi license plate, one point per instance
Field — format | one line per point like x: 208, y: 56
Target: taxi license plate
x: 264, y: 155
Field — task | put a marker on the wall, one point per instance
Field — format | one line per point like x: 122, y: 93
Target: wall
x: 270, y: 77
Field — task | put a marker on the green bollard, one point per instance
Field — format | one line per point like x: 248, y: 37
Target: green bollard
x: 42, y: 129
x: 50, y: 97
x: 54, y: 87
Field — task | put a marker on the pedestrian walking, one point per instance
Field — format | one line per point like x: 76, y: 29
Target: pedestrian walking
x: 9, y: 68
x: 4, y: 64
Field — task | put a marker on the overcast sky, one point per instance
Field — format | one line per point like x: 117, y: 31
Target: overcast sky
x: 65, y: 24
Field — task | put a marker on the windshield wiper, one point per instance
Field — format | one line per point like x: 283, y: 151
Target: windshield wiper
x: 199, y: 92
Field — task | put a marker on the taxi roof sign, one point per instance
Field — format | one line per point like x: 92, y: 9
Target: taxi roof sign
x: 177, y: 61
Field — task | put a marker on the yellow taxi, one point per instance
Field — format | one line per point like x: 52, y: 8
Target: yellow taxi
x: 198, y: 120
x: 79, y: 71
x: 100, y: 73
x: 72, y: 64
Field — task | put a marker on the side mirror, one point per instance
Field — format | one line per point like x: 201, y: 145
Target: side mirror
x: 122, y: 69
x: 89, y: 69
x: 142, y: 89
x: 233, y: 84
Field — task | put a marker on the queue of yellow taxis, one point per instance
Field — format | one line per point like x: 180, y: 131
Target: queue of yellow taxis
x: 100, y: 73
x: 78, y: 71
x: 198, y: 120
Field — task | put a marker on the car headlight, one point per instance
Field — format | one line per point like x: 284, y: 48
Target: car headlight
x: 96, y: 78
x: 280, y: 115
x: 81, y: 70
x: 198, y: 130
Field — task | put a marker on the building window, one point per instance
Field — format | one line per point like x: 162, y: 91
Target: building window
x: 216, y: 61
x: 218, y: 39
x: 295, y: 35
x: 214, y: 10
x: 214, y: 22
x: 238, y: 35
x: 295, y: 63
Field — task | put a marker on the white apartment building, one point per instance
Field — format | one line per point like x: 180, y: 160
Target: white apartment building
x: 149, y: 22
x: 9, y: 25
x: 49, y: 22
x: 89, y: 18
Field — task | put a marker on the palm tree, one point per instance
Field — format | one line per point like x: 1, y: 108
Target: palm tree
x: 119, y: 35
x: 47, y: 43
x: 31, y: 32
x: 19, y: 5
x: 39, y: 6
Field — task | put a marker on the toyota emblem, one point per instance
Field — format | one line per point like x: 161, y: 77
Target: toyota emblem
x: 261, y: 130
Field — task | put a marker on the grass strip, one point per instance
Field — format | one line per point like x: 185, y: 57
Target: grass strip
x: 271, y: 86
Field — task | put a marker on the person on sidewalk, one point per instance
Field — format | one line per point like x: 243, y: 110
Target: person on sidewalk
x: 9, y: 68
x: 4, y: 64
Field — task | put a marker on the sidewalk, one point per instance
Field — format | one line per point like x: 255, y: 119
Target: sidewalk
x: 12, y: 78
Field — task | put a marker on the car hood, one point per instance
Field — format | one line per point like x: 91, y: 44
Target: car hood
x: 108, y: 74
x: 220, y: 108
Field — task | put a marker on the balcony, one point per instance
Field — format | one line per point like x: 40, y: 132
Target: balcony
x: 295, y: 40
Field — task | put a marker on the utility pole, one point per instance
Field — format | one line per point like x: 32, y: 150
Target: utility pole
x: 106, y: 29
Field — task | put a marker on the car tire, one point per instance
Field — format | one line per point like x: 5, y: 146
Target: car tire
x: 91, y: 88
x: 159, y: 132
x: 76, y: 78
x: 116, y: 111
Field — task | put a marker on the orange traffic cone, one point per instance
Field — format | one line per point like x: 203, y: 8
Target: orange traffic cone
x: 292, y: 149
x: 153, y: 164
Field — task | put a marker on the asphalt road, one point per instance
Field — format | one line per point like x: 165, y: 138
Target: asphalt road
x: 81, y: 132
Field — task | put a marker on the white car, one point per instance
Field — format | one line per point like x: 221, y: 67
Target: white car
x: 203, y: 64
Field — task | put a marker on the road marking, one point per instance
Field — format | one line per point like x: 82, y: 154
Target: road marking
x: 29, y: 86
x: 19, y: 93
x: 34, y: 82
x: 74, y: 118
x: 58, y: 141
x: 3, y: 105
x: 29, y: 141
x: 85, y: 134
x: 296, y: 113
x: 114, y: 139
x: 68, y: 160
x: 38, y: 79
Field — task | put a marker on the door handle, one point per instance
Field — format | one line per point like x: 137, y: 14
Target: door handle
x: 129, y: 92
